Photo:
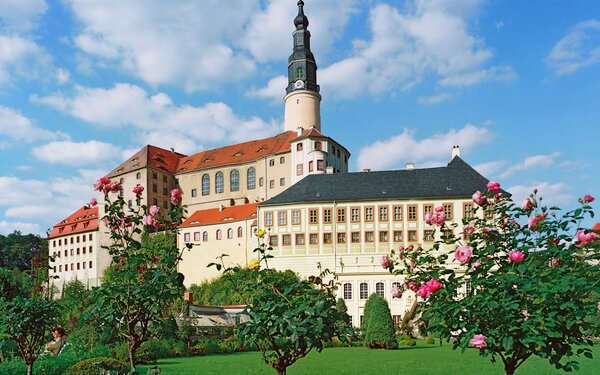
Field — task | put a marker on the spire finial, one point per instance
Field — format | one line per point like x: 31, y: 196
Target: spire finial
x: 301, y: 22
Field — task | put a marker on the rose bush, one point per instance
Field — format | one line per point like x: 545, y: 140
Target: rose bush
x: 516, y: 282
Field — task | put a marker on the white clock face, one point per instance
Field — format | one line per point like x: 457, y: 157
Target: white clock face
x: 299, y: 84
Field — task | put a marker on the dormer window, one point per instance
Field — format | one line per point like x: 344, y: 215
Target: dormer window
x: 237, y: 154
x: 261, y: 149
x: 206, y: 160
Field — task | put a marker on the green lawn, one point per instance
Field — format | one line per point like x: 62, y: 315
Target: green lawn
x: 423, y: 359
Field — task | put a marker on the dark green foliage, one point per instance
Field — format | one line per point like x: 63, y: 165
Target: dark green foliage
x: 430, y: 340
x: 380, y: 332
x: 18, y: 250
x: 98, y: 365
x: 14, y: 283
x: 234, y: 288
x: 366, y: 315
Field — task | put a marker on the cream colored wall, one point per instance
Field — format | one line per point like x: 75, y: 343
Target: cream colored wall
x: 302, y: 109
x: 194, y: 262
x: 89, y: 276
x: 353, y: 263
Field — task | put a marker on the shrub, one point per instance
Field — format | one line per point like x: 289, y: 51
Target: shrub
x: 91, y: 366
x: 161, y: 348
x: 146, y: 355
x: 409, y: 342
x: 430, y: 340
x: 13, y: 367
x: 367, y: 310
x: 230, y: 345
x: 380, y: 329
x: 206, y: 346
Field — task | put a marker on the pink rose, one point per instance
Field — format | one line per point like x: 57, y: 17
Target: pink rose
x: 105, y: 221
x: 585, y: 238
x: 493, y: 186
x: 525, y: 314
x: 436, y: 218
x: 554, y: 262
x: 101, y: 183
x: 516, y: 256
x: 412, y: 285
x: 386, y: 262
x: 423, y: 291
x: 474, y: 266
x: 175, y: 196
x: 396, y: 291
x: 433, y: 285
x: 138, y: 189
x: 153, y: 210
x: 150, y: 221
x: 478, y: 341
x: 469, y: 228
x: 535, y: 221
x: 528, y: 204
x: 588, y: 199
x: 114, y: 187
x: 479, y: 198
x: 463, y: 254
x: 93, y: 202
x: 489, y: 229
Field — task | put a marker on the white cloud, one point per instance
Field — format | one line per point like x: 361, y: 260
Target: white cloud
x: 17, y: 127
x: 76, y: 153
x: 579, y: 48
x: 490, y: 168
x: 275, y: 90
x: 552, y: 193
x: 62, y: 76
x: 403, y: 148
x: 7, y: 227
x: 181, y: 42
x: 435, y: 99
x: 536, y: 161
x: 21, y: 57
x: 21, y: 15
x: 158, y: 119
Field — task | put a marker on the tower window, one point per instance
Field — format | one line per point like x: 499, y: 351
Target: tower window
x: 299, y: 147
x: 299, y: 73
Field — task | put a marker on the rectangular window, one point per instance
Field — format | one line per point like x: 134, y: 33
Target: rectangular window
x: 261, y: 181
x: 355, y: 237
x: 341, y: 237
x: 165, y: 191
x: 412, y: 235
x: 194, y: 192
x: 412, y: 212
x: 281, y: 217
x: 282, y: 181
x: 299, y: 169
x: 364, y: 291
x: 286, y: 240
x: 320, y: 165
x: 369, y: 237
x: 427, y: 208
x: 154, y: 188
x: 78, y: 251
x: 368, y: 213
x: 90, y: 237
x: 327, y: 216
x: 327, y: 238
x: 397, y: 236
x: 355, y: 214
x: 295, y: 217
x: 448, y: 210
x: 196, y: 236
x: 313, y: 217
x: 384, y: 236
x: 341, y: 215
x: 78, y: 266
x: 447, y: 234
x: 347, y: 291
x: 383, y: 213
x: 268, y: 219
x: 90, y: 264
x: 300, y: 239
x: 428, y: 235
x: 91, y: 249
x: 186, y: 237
x: 273, y: 240
x: 313, y: 238
x: 272, y: 184
x: 467, y: 210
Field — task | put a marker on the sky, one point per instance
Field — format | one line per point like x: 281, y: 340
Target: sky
x: 85, y: 84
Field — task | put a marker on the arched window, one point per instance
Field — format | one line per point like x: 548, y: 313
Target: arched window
x: 251, y: 178
x: 347, y: 291
x: 219, y: 235
x: 299, y: 73
x: 234, y: 180
x: 204, y: 236
x: 230, y: 233
x: 299, y: 146
x: 205, y: 184
x: 239, y: 232
x: 138, y: 175
x: 219, y: 182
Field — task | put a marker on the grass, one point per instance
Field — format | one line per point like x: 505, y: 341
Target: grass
x: 422, y: 359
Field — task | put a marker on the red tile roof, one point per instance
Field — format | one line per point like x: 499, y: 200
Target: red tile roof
x: 312, y: 132
x: 149, y: 156
x: 236, y: 154
x: 84, y: 219
x: 217, y: 216
x: 596, y: 227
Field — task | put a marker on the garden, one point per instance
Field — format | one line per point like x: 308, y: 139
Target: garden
x: 517, y: 291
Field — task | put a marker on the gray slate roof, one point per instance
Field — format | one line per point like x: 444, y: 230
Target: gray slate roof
x: 458, y: 179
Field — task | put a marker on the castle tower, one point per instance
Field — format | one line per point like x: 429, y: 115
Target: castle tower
x: 302, y: 99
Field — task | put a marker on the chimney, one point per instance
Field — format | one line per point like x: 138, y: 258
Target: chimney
x: 299, y: 130
x: 410, y: 166
x: 329, y: 170
x: 366, y: 169
x: 221, y: 208
x: 172, y: 150
x: 455, y: 151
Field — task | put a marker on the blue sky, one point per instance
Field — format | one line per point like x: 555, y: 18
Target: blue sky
x: 84, y: 84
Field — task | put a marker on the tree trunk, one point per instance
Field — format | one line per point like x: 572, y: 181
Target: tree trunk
x: 30, y: 368
x: 509, y: 368
x: 132, y: 350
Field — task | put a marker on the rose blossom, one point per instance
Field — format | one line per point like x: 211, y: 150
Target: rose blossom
x: 175, y: 196
x: 423, y: 291
x: 478, y: 341
x: 153, y: 210
x: 584, y: 238
x: 479, y: 198
x: 386, y: 262
x: 554, y: 262
x: 436, y: 218
x: 412, y: 285
x: 588, y: 199
x: 105, y: 221
x: 527, y: 204
x: 93, y: 202
x: 493, y: 186
x: 469, y: 228
x: 475, y: 265
x: 396, y: 291
x: 433, y: 286
x: 138, y: 189
x: 463, y: 254
x: 101, y: 183
x: 516, y: 256
x: 150, y: 221
x: 534, y: 222
x: 525, y: 314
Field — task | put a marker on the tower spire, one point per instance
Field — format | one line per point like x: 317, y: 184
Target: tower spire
x: 301, y: 21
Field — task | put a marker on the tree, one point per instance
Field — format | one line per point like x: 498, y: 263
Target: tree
x: 366, y: 317
x: 380, y: 332
x: 287, y: 320
x: 519, y: 284
x: 143, y: 280
x: 18, y: 250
